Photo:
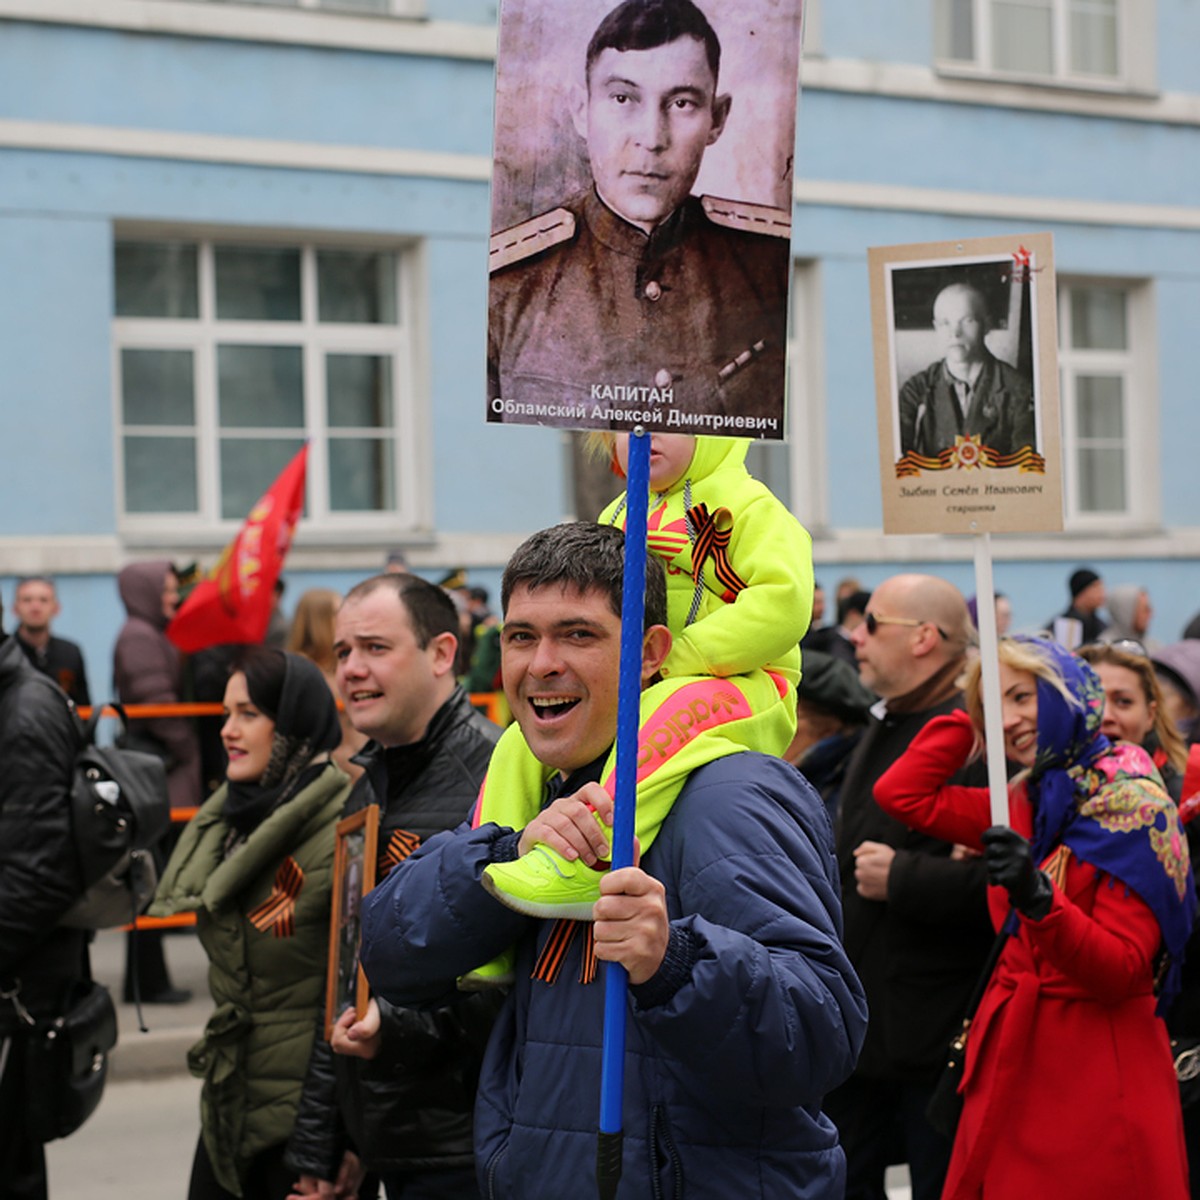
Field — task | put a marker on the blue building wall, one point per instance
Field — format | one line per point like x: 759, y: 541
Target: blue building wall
x: 58, y: 210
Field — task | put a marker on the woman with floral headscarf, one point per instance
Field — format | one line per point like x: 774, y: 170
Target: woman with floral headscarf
x: 1068, y: 1089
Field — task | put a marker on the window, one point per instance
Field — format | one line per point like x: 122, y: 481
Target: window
x: 229, y: 355
x: 1077, y: 41
x: 1109, y: 420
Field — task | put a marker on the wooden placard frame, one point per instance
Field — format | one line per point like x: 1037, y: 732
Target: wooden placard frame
x: 965, y: 485
x: 356, y: 843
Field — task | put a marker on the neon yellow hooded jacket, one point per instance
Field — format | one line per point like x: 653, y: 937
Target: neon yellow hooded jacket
x: 739, y: 567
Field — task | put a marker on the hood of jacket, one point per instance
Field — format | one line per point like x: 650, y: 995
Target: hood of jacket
x: 1122, y: 604
x: 140, y: 585
x: 712, y: 454
x: 1182, y: 659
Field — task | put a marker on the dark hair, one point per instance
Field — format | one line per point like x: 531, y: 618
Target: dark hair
x: 430, y: 610
x: 587, y: 556
x: 22, y: 580
x: 855, y: 602
x: 265, y: 668
x: 647, y: 24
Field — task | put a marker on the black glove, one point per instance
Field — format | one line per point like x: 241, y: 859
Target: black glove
x: 1010, y: 866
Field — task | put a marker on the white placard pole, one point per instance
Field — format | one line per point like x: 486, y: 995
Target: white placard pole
x: 993, y: 721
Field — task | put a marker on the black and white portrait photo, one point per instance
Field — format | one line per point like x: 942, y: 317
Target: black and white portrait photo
x: 964, y: 361
x: 966, y: 377
x: 641, y: 209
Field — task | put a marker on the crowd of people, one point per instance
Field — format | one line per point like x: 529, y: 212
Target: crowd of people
x: 819, y: 887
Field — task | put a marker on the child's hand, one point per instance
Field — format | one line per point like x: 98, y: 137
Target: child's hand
x: 570, y: 827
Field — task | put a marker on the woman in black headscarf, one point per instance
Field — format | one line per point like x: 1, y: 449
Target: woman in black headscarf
x: 256, y: 866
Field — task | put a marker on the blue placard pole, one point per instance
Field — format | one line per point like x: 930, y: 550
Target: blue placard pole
x: 616, y: 981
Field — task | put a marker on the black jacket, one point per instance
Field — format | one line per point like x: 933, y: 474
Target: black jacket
x: 919, y: 952
x: 39, y: 872
x: 63, y: 662
x: 410, y: 1108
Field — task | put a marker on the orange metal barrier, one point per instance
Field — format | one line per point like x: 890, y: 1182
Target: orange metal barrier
x: 491, y: 704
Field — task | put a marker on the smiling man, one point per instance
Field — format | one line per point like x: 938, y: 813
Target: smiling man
x: 400, y: 1089
x: 744, y: 1009
x: 637, y: 281
x: 969, y: 391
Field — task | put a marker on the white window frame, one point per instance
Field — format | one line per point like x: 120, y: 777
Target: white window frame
x: 1136, y: 366
x: 201, y: 335
x: 814, y: 42
x: 1135, y: 50
x: 808, y: 452
x: 395, y: 8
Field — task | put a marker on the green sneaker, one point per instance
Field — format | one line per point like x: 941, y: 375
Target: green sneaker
x: 495, y: 974
x: 544, y: 884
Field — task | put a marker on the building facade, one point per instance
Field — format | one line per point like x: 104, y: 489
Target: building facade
x: 226, y: 228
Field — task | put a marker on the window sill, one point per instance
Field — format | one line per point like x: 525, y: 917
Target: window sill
x: 1048, y: 84
x: 407, y: 30
x: 195, y: 538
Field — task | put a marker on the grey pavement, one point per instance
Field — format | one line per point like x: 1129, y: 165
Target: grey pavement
x: 172, y: 1027
x: 138, y: 1145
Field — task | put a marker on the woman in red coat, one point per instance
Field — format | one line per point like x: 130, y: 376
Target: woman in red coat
x: 1068, y: 1089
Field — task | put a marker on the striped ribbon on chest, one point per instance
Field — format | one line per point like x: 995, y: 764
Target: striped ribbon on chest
x: 277, y: 913
x: 554, y: 952
x: 712, y: 533
x: 399, y: 846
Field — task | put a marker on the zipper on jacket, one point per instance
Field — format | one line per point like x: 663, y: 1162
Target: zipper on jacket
x: 491, y: 1172
x: 663, y: 1154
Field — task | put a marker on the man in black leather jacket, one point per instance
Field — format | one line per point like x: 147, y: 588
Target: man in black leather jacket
x: 400, y: 1091
x: 916, y: 923
x: 39, y: 881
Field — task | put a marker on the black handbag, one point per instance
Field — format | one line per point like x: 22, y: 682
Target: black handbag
x: 66, y: 1062
x: 119, y: 811
x: 1186, y: 1053
x: 945, y: 1105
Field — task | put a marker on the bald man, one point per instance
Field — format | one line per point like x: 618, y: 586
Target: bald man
x: 969, y: 391
x: 916, y: 927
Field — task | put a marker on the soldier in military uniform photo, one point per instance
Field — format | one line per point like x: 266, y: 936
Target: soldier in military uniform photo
x: 636, y: 293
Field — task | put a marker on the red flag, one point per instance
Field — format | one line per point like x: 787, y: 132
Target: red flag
x: 233, y: 602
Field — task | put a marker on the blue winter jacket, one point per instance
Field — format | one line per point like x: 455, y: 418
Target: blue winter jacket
x: 755, y: 1014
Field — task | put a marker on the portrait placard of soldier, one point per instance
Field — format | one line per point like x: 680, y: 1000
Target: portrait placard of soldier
x: 966, y: 376
x: 641, y: 214
x: 354, y: 863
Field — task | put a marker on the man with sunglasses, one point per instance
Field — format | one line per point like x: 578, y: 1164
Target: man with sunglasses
x: 916, y: 926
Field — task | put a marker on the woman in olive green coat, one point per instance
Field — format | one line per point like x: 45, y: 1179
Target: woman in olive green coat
x: 256, y: 865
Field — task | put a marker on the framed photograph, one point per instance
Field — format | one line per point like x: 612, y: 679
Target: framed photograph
x: 641, y: 214
x: 353, y: 877
x: 966, y: 380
